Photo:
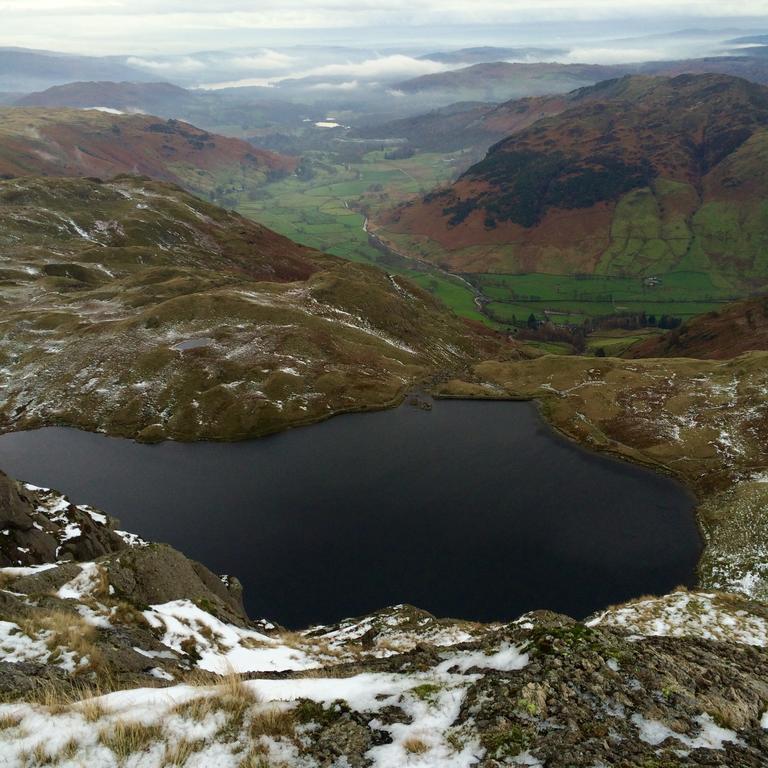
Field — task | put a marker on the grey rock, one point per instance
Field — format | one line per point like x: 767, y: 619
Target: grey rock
x: 158, y: 574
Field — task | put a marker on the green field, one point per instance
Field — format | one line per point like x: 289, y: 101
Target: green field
x: 572, y: 299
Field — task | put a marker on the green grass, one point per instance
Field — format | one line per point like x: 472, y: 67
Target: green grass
x: 572, y: 299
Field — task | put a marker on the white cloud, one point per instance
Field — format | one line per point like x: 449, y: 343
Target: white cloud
x: 383, y: 68
x: 609, y: 56
x: 182, y: 64
x: 350, y: 85
x: 266, y: 60
x: 347, y: 76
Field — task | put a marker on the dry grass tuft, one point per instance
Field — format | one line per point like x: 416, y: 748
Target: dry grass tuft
x: 236, y: 700
x: 256, y: 758
x: 127, y: 615
x: 197, y: 709
x: 9, y: 721
x: 125, y: 739
x: 235, y: 693
x: 274, y: 723
x: 415, y: 746
x: 180, y: 752
x: 40, y: 756
x: 65, y: 631
x: 69, y: 750
x: 92, y: 709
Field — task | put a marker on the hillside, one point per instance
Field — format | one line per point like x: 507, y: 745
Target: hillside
x: 502, y: 80
x: 650, y: 176
x: 69, y: 142
x: 134, y: 308
x: 152, y: 98
x: 736, y: 329
x: 475, y: 126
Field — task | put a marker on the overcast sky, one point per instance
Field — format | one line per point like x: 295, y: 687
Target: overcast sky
x: 135, y: 26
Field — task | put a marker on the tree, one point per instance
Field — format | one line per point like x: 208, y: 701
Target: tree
x: 533, y: 323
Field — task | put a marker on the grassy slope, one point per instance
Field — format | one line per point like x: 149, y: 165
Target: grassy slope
x: 100, y: 282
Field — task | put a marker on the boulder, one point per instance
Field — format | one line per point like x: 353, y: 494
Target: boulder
x: 15, y: 510
x: 157, y: 574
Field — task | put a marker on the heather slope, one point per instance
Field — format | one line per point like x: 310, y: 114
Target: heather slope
x: 736, y: 329
x: 70, y: 142
x: 649, y: 176
x: 135, y: 308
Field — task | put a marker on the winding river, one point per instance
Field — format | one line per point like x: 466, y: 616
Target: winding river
x: 476, y: 510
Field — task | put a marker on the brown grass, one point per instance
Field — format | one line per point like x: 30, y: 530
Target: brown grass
x: 126, y: 614
x: 92, y: 709
x: 198, y: 709
x: 274, y: 723
x: 69, y: 750
x: 181, y: 751
x: 236, y: 700
x: 67, y: 631
x: 255, y: 758
x: 125, y: 739
x: 415, y: 746
x: 9, y: 721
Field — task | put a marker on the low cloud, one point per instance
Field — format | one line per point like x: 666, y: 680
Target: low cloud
x: 350, y: 85
x: 266, y: 60
x: 347, y: 76
x: 395, y: 67
x: 185, y: 64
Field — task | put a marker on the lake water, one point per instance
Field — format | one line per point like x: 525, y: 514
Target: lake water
x: 475, y: 510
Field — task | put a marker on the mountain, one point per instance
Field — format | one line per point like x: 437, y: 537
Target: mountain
x: 475, y: 126
x: 235, y: 112
x: 67, y: 142
x: 737, y: 328
x: 135, y: 308
x: 501, y: 81
x: 649, y: 176
x: 152, y: 98
x: 24, y: 70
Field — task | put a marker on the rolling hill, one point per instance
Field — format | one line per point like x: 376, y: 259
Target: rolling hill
x: 504, y: 80
x: 68, y: 142
x: 737, y: 328
x: 152, y: 98
x: 649, y: 176
x: 134, y: 308
x: 500, y: 80
x: 474, y: 126
x: 239, y: 112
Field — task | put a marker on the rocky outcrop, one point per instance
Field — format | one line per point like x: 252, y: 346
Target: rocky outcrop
x: 158, y: 574
x: 40, y: 526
